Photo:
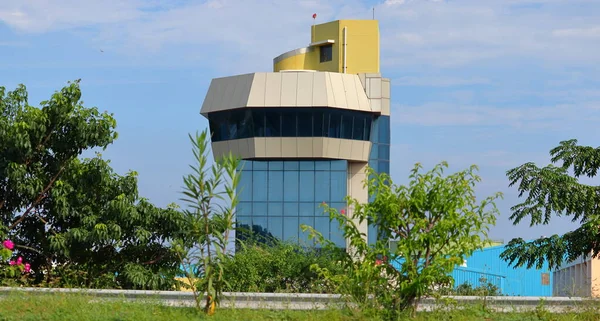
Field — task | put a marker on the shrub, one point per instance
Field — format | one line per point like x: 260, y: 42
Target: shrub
x: 435, y: 219
x: 279, y: 267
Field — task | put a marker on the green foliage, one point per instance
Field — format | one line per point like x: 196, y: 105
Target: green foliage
x: 61, y: 307
x: 76, y: 221
x: 437, y: 223
x: 467, y: 289
x: 553, y: 190
x: 279, y: 267
x: 202, y: 246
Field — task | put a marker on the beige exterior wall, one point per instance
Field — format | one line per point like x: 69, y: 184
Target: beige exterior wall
x: 287, y: 89
x: 356, y: 190
x: 378, y: 92
x: 580, y: 278
x: 294, y: 147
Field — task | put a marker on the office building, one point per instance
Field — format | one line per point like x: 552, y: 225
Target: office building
x: 306, y: 131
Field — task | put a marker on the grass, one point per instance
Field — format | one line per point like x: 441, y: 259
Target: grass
x: 27, y: 306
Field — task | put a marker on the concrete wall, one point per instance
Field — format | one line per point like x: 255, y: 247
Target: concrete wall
x: 578, y: 278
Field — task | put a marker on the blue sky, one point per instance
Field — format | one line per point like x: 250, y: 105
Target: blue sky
x: 489, y: 82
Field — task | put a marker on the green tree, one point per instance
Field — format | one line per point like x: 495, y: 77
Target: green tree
x: 38, y: 144
x: 554, y: 190
x: 76, y: 220
x: 437, y: 223
x: 210, y: 195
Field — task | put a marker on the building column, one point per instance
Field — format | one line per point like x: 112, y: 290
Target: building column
x: 356, y: 190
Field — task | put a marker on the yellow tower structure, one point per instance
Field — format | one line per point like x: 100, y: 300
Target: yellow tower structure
x: 344, y: 46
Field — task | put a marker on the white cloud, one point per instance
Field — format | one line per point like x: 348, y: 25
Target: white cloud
x: 452, y: 34
x: 433, y: 33
x: 43, y: 16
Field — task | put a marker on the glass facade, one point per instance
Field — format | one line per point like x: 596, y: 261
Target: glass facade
x: 278, y: 196
x: 290, y: 122
x: 379, y: 159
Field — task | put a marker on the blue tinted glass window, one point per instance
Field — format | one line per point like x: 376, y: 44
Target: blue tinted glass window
x: 346, y: 131
x: 305, y: 123
x: 260, y: 165
x: 245, y: 165
x: 320, y: 209
x: 372, y: 234
x: 337, y: 235
x: 384, y: 152
x: 307, y: 187
x: 339, y: 165
x: 275, y: 165
x: 258, y: 118
x: 243, y: 123
x: 335, y: 125
x: 303, y: 236
x: 275, y: 209
x: 374, y: 166
x: 245, y: 186
x: 322, y: 186
x: 276, y: 227
x: 215, y: 134
x: 259, y: 209
x: 307, y: 209
x: 375, y: 130
x: 244, y: 209
x: 322, y: 165
x: 290, y: 209
x: 275, y: 186
x: 290, y: 228
x: 338, y: 186
x: 273, y: 125
x: 244, y: 222
x: 231, y: 129
x: 307, y: 165
x: 384, y: 130
x: 322, y: 225
x: 358, y: 131
x: 260, y: 225
x: 374, y: 151
x: 288, y: 124
x: 291, y: 165
x: 291, y: 184
x: 259, y: 186
x: 384, y: 167
x: 339, y: 206
x: 368, y: 128
x: 318, y: 124
x: 224, y: 130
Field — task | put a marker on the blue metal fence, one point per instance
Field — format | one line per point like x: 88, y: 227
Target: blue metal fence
x: 517, y: 281
x: 476, y: 278
x: 485, y: 266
